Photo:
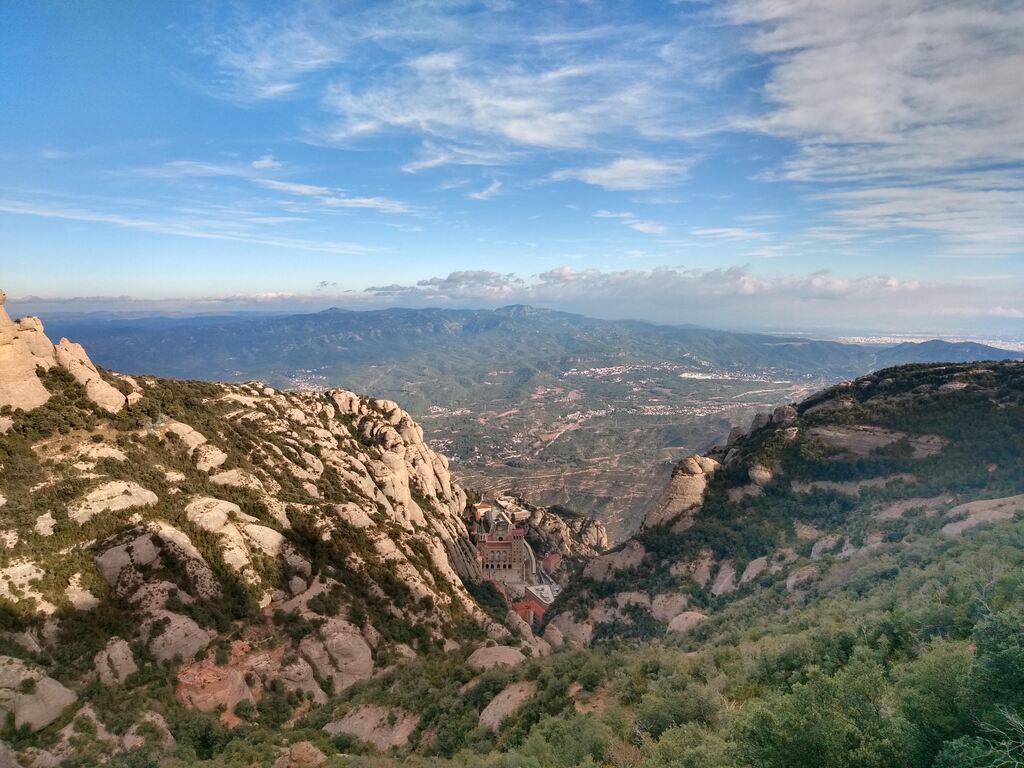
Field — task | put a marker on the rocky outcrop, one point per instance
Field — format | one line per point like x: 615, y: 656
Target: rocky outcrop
x: 383, y: 727
x: 111, y: 497
x: 115, y: 662
x: 24, y: 348
x: 302, y: 754
x: 511, y: 698
x: 72, y: 358
x: 686, y: 621
x: 681, y: 500
x: 31, y: 697
x: 339, y: 652
x: 495, y: 656
x: 628, y: 557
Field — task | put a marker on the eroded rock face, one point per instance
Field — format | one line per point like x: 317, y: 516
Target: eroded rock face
x: 72, y: 358
x: 627, y: 558
x: 495, y: 656
x: 115, y: 662
x: 34, y: 699
x: 23, y: 348
x: 340, y: 653
x: 511, y: 698
x: 383, y: 727
x: 681, y: 500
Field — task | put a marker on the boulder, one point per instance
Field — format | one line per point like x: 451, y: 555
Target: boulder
x: 209, y: 457
x: 180, y: 638
x: 666, y: 606
x: 754, y: 569
x: 760, y: 475
x: 725, y: 579
x: 301, y: 754
x: 207, y: 687
x: 339, y: 652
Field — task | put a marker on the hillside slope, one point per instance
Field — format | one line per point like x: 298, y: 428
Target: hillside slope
x: 911, y: 455
x: 168, y: 547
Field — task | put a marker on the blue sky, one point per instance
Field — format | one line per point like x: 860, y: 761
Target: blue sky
x: 769, y: 163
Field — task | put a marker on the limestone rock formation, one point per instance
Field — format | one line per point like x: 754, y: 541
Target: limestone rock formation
x: 495, y: 656
x: 115, y: 662
x: 682, y: 498
x: 24, y: 348
x: 72, y: 358
x: 31, y: 697
x: 511, y: 698
x: 624, y: 559
x: 383, y: 727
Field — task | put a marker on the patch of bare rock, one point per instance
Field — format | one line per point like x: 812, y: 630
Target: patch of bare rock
x: 489, y: 657
x: 383, y: 727
x: 985, y: 511
x: 113, y: 496
x: 685, y: 493
x: 511, y: 698
x: 30, y: 696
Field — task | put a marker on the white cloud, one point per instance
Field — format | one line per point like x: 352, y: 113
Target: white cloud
x: 266, y: 161
x: 729, y: 233
x: 898, y: 107
x: 487, y: 193
x: 236, y: 230
x: 724, y: 297
x: 293, y: 188
x: 628, y: 219
x: 264, y: 57
x: 628, y: 173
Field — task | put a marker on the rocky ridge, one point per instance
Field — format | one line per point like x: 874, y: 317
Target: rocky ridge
x: 262, y: 545
x: 848, y: 472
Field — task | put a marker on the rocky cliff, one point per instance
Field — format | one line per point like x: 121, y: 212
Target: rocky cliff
x: 912, y: 454
x: 208, y: 546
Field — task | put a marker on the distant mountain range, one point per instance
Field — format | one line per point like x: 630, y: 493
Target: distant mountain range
x: 339, y: 342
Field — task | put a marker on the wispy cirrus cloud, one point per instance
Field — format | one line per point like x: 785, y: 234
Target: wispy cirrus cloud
x: 264, y: 57
x: 487, y: 192
x: 729, y: 233
x: 239, y: 229
x: 629, y: 173
x: 631, y: 221
x: 326, y: 196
